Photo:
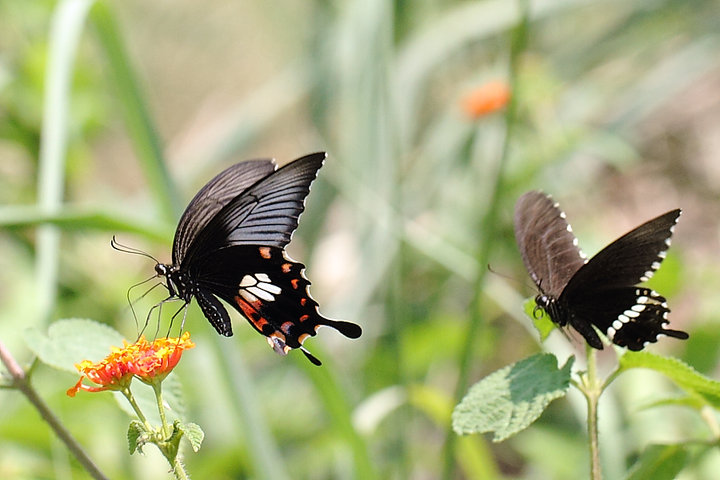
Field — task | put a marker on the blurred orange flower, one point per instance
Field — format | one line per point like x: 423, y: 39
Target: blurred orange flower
x: 486, y: 99
x: 151, y: 362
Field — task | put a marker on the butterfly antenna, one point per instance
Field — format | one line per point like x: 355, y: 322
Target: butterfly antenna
x: 126, y: 249
x: 510, y: 277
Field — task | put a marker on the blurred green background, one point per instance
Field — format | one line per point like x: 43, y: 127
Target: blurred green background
x: 616, y: 113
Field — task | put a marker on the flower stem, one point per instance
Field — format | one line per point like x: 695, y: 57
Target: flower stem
x: 136, y: 408
x: 157, y: 387
x: 592, y: 390
x: 21, y: 382
x: 178, y: 469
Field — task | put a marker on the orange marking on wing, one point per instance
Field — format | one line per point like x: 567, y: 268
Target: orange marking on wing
x: 303, y: 301
x: 304, y: 317
x: 295, y: 283
x: 286, y: 267
x: 252, y: 312
x: 265, y: 252
x: 302, y: 337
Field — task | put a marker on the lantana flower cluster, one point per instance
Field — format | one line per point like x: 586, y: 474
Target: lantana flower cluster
x: 150, y: 362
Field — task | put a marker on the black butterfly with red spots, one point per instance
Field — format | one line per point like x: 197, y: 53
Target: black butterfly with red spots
x: 229, y: 245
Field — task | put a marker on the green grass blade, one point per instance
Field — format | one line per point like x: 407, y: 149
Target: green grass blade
x: 67, y: 26
x: 137, y: 118
x: 83, y: 218
x: 339, y: 409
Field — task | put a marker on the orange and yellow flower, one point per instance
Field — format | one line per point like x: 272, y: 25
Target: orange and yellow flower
x: 486, y: 99
x: 151, y: 362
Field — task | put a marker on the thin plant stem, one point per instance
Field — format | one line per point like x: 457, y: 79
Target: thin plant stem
x: 593, y: 389
x: 179, y: 469
x: 157, y: 388
x: 21, y: 382
x: 489, y: 221
x: 136, y: 408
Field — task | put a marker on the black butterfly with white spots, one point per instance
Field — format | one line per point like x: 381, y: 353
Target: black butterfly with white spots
x: 229, y: 245
x: 601, y: 291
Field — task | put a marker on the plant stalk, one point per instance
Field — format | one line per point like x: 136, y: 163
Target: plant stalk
x: 20, y: 381
x: 593, y: 389
x: 518, y: 44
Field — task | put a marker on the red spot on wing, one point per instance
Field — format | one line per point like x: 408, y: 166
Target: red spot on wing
x: 304, y: 317
x: 295, y: 282
x: 252, y: 312
x: 286, y: 267
x: 303, y: 301
x: 265, y: 252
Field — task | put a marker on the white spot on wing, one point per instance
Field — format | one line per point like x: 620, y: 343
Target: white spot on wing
x: 248, y: 296
x: 269, y: 287
x: 610, y: 333
x: 260, y: 293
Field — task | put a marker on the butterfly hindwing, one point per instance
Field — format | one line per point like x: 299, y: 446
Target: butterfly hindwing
x: 270, y: 291
x: 630, y: 317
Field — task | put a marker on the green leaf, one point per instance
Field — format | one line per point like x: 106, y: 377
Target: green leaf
x: 676, y: 370
x: 137, y: 436
x: 659, y: 462
x: 193, y: 433
x: 510, y: 399
x: 541, y: 320
x: 71, y: 341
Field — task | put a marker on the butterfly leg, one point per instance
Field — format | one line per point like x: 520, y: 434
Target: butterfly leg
x: 183, y: 309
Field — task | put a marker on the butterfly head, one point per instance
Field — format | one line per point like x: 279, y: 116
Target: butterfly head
x: 550, y: 306
x: 175, y: 281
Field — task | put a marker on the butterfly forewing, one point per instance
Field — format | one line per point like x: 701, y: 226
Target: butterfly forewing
x: 266, y: 213
x: 631, y: 259
x: 225, y: 186
x: 546, y: 242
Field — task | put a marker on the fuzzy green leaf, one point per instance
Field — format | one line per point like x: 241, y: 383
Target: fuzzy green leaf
x: 541, y: 320
x: 679, y: 372
x: 659, y: 462
x: 71, y: 341
x: 136, y: 436
x: 193, y: 433
x: 510, y: 399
